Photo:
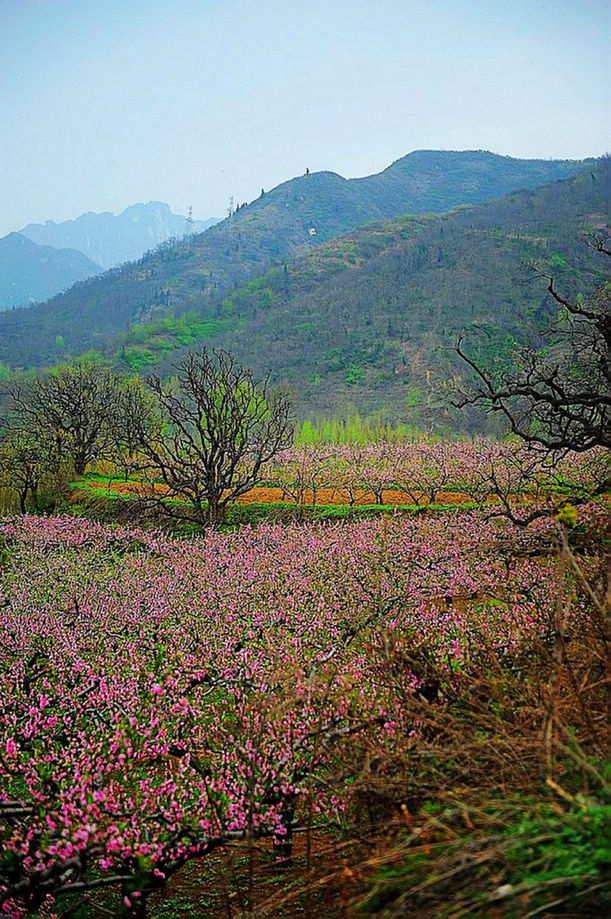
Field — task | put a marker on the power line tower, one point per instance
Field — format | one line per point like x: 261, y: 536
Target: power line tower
x: 230, y: 215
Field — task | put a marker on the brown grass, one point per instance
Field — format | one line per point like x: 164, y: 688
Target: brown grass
x: 520, y: 735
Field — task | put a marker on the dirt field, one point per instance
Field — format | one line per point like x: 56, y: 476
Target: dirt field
x: 324, y: 496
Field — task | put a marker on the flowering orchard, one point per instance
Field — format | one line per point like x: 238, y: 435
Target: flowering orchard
x: 426, y: 473
x: 161, y: 698
x: 504, y: 478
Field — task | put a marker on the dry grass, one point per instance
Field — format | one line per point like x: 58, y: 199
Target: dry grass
x: 494, y: 806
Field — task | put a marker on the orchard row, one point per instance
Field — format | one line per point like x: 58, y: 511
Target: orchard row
x: 422, y: 472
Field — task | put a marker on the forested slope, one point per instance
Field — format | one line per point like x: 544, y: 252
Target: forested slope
x: 298, y: 215
x: 367, y: 322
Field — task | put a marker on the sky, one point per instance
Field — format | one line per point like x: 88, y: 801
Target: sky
x: 104, y: 103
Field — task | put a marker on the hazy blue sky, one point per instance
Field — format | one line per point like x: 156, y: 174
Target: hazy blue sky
x: 107, y: 102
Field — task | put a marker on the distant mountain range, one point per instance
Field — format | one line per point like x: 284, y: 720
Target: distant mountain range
x: 30, y: 272
x: 109, y: 240
x: 198, y: 274
x: 46, y: 258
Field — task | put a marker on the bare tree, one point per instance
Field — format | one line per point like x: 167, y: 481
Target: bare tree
x: 218, y: 427
x: 74, y: 405
x: 559, y: 399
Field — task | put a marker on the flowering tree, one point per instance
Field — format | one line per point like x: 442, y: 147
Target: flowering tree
x: 301, y: 472
x: 422, y: 470
x: 162, y: 698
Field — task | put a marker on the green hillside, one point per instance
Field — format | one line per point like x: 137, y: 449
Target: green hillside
x: 297, y: 216
x: 365, y: 322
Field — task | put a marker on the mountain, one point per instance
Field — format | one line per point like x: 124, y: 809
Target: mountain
x: 110, y: 240
x: 196, y: 274
x: 367, y: 322
x: 29, y: 272
x: 437, y: 180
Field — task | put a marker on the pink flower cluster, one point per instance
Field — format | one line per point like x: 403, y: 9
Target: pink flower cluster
x: 424, y: 471
x: 160, y: 697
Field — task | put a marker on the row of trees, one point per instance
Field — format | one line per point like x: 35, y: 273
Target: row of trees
x: 205, y: 435
x: 420, y: 473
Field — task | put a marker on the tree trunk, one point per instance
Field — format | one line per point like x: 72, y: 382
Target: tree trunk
x: 214, y: 511
x: 283, y: 845
x: 80, y: 464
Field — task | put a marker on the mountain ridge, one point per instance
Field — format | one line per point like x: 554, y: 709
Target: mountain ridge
x: 32, y: 272
x: 367, y: 322
x: 110, y: 239
x: 298, y: 215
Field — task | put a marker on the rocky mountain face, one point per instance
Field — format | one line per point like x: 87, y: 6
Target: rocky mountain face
x: 109, y: 240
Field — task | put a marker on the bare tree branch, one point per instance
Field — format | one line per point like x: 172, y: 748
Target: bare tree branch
x: 560, y: 399
x: 217, y: 430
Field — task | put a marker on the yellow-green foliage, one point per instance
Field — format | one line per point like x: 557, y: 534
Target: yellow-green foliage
x: 352, y: 430
x: 145, y: 345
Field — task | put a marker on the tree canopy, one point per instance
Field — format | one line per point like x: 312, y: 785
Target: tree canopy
x: 217, y: 429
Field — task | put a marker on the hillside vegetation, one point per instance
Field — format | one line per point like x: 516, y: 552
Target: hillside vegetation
x: 366, y: 323
x: 298, y: 215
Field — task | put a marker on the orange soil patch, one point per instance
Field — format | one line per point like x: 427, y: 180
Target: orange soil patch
x: 273, y: 495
